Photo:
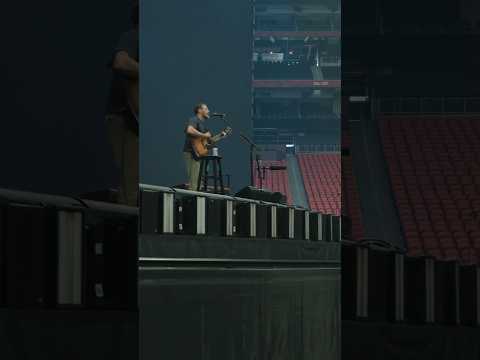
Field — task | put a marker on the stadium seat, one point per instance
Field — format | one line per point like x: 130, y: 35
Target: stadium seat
x: 434, y: 170
x: 321, y: 176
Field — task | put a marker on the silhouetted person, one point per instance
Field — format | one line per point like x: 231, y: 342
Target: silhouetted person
x: 122, y: 111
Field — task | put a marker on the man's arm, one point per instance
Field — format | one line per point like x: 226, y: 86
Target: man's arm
x: 194, y: 132
x: 125, y: 65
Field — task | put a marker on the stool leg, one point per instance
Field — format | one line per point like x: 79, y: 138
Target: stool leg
x: 215, y: 186
x: 220, y: 176
x: 205, y: 178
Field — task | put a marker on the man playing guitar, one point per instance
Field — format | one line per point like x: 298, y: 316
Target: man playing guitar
x: 122, y: 111
x: 197, y: 136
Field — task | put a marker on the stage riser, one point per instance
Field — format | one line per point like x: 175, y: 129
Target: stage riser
x: 252, y: 312
x: 211, y: 247
x: 166, y: 212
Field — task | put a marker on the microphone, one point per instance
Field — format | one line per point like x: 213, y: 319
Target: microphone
x: 219, y: 114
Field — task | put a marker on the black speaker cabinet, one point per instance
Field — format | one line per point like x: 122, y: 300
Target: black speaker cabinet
x: 335, y: 228
x: 327, y: 227
x: 110, y: 260
x: 201, y: 216
x: 245, y: 219
x: 29, y: 255
x: 3, y: 229
x: 252, y: 219
x: 419, y: 283
x: 354, y: 287
x: 316, y: 226
x: 285, y: 222
x: 346, y: 227
x: 381, y: 285
x: 215, y: 216
x: 191, y: 215
x: 300, y: 225
x: 469, y: 295
x: 446, y: 292
x: 157, y: 212
x: 229, y: 218
x: 272, y: 221
x: 262, y: 216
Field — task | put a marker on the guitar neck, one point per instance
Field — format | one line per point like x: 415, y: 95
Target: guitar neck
x: 217, y: 137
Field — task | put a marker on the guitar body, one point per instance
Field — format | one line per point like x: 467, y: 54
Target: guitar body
x: 201, y: 146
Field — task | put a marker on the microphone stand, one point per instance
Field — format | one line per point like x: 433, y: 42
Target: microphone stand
x: 253, y: 149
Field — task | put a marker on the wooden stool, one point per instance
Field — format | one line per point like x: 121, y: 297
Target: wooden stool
x: 217, y: 176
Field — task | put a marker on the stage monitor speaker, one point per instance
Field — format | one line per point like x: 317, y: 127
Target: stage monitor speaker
x: 254, y: 193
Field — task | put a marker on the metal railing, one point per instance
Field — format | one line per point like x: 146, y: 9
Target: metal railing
x: 303, y: 148
x: 315, y: 148
x: 428, y: 105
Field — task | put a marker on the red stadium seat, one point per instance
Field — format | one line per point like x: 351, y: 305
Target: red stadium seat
x: 434, y: 167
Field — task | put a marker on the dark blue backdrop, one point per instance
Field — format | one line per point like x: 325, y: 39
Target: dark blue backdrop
x: 53, y: 95
x: 191, y: 52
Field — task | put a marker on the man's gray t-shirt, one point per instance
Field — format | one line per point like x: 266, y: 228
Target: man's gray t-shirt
x: 197, y: 124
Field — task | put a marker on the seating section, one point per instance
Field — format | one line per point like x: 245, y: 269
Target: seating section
x: 282, y: 70
x: 434, y: 165
x: 321, y: 177
x: 350, y: 195
x: 275, y: 180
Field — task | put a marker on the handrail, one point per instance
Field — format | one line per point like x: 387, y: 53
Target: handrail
x: 303, y: 148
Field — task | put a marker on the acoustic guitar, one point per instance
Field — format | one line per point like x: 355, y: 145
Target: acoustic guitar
x: 201, y: 145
